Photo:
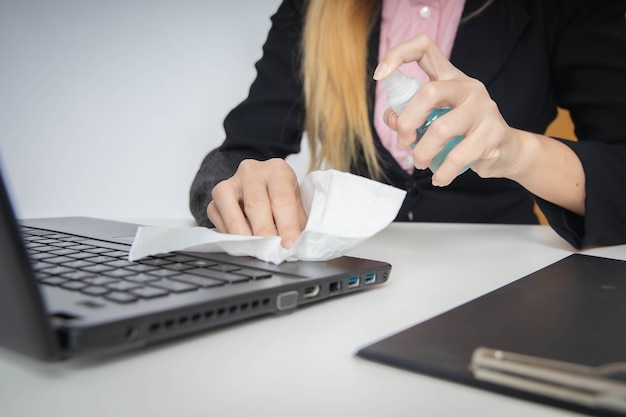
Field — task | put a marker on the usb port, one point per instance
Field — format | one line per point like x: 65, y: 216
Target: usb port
x: 353, y: 282
x: 370, y: 278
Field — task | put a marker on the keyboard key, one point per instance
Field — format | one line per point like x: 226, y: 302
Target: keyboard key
x: 40, y: 275
x: 178, y: 266
x: 79, y: 247
x: 223, y: 276
x: 163, y: 273
x: 120, y: 263
x: 81, y: 255
x: 100, y: 259
x: 253, y: 273
x: 123, y: 286
x: 119, y: 273
x: 62, y: 244
x: 57, y: 270
x: 62, y: 252
x: 97, y: 250
x: 141, y: 268
x: 149, y: 292
x: 120, y: 297
x: 203, y: 282
x: 98, y: 268
x: 141, y: 278
x: 117, y: 254
x: 76, y: 264
x: 53, y: 281
x: 95, y: 290
x: 59, y: 259
x: 173, y: 286
x: 77, y: 275
x: 225, y: 267
x: 39, y: 265
x: 202, y: 263
x: 180, y: 258
x: 155, y: 261
x: 40, y: 255
x: 100, y: 280
x: 74, y: 285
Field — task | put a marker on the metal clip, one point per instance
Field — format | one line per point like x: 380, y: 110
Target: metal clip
x: 583, y: 385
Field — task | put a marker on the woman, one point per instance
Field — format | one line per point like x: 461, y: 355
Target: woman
x: 502, y: 65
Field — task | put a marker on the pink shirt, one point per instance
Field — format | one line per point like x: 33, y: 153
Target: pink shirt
x: 402, y: 20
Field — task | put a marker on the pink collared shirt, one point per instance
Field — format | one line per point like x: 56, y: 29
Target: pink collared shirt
x: 402, y: 20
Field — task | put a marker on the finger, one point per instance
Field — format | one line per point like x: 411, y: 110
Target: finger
x: 257, y: 206
x: 287, y: 209
x: 480, y: 148
x: 420, y: 49
x: 440, y: 131
x: 390, y: 118
x: 214, y: 216
x: 434, y: 95
x: 226, y: 208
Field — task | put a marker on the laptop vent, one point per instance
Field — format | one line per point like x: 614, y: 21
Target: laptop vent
x: 211, y: 317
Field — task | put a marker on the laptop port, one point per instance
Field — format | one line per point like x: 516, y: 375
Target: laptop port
x: 310, y: 292
x: 370, y: 278
x: 353, y: 282
x: 335, y: 286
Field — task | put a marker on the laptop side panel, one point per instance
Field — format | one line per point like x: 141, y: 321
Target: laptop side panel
x: 24, y: 325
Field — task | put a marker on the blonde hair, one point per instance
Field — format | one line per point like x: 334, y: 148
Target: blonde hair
x: 336, y: 80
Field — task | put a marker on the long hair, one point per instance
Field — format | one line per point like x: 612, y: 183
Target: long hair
x: 335, y: 79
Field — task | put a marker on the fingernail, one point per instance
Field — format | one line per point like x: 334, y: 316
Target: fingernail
x: 381, y: 71
x: 287, y: 244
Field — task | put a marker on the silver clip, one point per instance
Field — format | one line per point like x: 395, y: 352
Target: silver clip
x: 583, y: 385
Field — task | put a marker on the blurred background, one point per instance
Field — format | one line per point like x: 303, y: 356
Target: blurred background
x: 108, y: 107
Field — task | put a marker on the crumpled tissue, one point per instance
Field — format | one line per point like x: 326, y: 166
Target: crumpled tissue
x: 343, y: 210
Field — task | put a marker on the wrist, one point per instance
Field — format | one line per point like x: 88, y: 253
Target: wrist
x: 525, y: 153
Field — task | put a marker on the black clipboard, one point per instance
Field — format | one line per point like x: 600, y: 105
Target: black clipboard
x: 573, y: 312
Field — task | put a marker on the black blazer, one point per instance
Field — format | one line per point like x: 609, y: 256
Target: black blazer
x: 532, y: 55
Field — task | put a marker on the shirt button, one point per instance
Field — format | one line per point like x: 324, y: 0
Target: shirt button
x: 425, y: 12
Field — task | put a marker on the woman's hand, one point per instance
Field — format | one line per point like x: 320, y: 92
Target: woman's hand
x: 489, y: 144
x: 544, y: 166
x: 261, y: 199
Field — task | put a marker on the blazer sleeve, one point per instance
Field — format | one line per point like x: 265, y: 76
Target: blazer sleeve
x: 589, y: 76
x: 269, y: 122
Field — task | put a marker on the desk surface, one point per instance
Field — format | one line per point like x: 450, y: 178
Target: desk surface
x: 303, y: 363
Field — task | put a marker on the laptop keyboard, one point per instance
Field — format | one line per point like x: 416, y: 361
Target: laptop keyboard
x: 82, y: 265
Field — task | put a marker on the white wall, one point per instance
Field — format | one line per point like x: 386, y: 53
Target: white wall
x: 107, y: 107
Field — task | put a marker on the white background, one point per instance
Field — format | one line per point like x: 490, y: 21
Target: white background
x: 108, y: 107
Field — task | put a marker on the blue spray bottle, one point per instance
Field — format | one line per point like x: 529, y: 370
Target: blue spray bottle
x: 400, y: 89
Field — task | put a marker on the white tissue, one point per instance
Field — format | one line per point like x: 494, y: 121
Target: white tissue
x: 343, y: 210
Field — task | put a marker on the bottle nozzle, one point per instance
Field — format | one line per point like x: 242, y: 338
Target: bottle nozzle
x: 400, y: 89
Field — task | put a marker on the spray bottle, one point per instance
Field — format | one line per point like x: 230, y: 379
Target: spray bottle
x: 400, y: 90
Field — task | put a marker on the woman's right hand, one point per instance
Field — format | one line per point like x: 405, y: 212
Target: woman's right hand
x: 261, y: 199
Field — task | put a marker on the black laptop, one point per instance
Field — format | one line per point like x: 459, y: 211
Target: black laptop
x: 68, y: 289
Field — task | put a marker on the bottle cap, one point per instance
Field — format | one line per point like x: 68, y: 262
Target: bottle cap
x: 400, y: 89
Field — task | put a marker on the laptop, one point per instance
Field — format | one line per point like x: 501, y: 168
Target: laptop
x: 67, y: 288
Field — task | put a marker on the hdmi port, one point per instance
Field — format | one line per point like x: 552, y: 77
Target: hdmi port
x: 310, y: 292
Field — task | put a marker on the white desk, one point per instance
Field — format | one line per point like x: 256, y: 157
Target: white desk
x: 303, y: 364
